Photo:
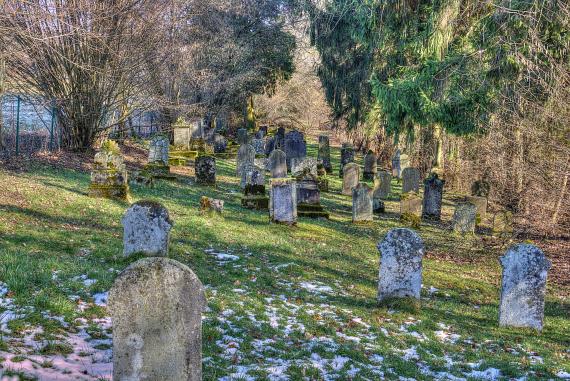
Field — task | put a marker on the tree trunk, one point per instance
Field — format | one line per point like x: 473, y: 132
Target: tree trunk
x: 2, y: 89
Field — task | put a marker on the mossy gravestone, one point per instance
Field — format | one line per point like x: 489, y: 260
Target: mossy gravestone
x: 245, y: 157
x: 525, y: 268
x: 401, y: 252
x: 156, y: 307
x: 309, y: 194
x: 324, y: 154
x: 362, y: 203
x: 346, y: 156
x: 146, y: 227
x: 350, y: 178
x: 433, y: 196
x: 465, y: 218
x: 205, y: 169
x: 283, y: 201
x: 411, y: 180
x: 370, y: 166
x: 109, y: 174
x: 277, y: 164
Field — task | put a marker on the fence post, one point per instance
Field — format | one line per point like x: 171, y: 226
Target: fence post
x: 18, y: 126
x: 52, y: 126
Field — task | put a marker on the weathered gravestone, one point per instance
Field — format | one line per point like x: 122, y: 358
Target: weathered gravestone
x: 350, y: 178
x: 401, y: 253
x: 220, y: 143
x: 309, y: 194
x: 295, y: 148
x: 156, y: 307
x: 253, y: 184
x: 323, y: 181
x: 259, y: 146
x: 404, y: 163
x: 205, y: 169
x: 109, y: 174
x: 346, y: 157
x: 411, y: 180
x: 525, y: 268
x: 277, y: 164
x: 158, y: 158
x: 283, y: 201
x: 146, y: 227
x: 370, y: 166
x: 410, y: 204
x: 396, y: 168
x: 362, y: 203
x: 241, y: 136
x: 480, y: 203
x: 324, y: 154
x: 433, y: 195
x: 382, y: 188
x: 245, y: 157
x: 464, y: 218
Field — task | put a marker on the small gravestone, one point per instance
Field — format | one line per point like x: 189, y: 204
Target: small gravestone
x: 220, y: 144
x: 525, y: 268
x: 277, y: 164
x: 295, y: 148
x: 480, y: 203
x: 205, y: 168
x: 259, y: 146
x: 503, y: 223
x: 401, y: 253
x: 156, y: 306
x: 370, y: 166
x: 324, y: 154
x: 411, y: 180
x: 283, y: 201
x: 464, y: 218
x: 147, y: 226
x: 109, y: 174
x: 245, y: 157
x: 158, y: 152
x: 410, y: 204
x: 253, y: 184
x: 433, y: 196
x: 241, y: 136
x: 346, y: 156
x: 350, y: 178
x: 396, y: 167
x: 362, y: 203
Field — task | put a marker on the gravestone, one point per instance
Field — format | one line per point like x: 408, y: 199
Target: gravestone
x: 525, y: 268
x: 362, y: 203
x: 259, y: 146
x: 146, y: 226
x: 280, y: 139
x: 323, y: 181
x: 205, y: 169
x: 464, y: 218
x: 346, y: 156
x: 401, y: 254
x: 396, y: 167
x: 308, y: 164
x: 324, y: 154
x: 480, y: 203
x: 370, y: 166
x: 241, y: 136
x: 410, y: 204
x: 309, y: 194
x: 433, y: 195
x: 295, y: 147
x: 411, y: 180
x: 109, y: 174
x: 277, y: 164
x: 263, y: 130
x: 382, y: 185
x: 269, y: 145
x: 351, y: 177
x: 158, y: 152
x: 253, y: 184
x: 156, y: 306
x: 481, y: 188
x: 245, y: 157
x: 283, y: 201
x: 220, y: 143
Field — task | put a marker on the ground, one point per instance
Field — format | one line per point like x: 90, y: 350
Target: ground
x: 284, y: 303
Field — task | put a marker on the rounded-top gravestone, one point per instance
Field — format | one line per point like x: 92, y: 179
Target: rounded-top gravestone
x: 147, y: 226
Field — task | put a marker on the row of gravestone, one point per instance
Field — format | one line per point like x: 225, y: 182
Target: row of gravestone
x: 156, y: 303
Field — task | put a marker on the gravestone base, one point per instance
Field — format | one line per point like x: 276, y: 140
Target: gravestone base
x: 158, y: 171
x: 257, y: 202
x: 312, y: 211
x: 368, y: 175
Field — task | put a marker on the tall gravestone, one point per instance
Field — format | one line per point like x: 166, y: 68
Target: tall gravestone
x: 465, y: 218
x: 525, y: 269
x: 401, y: 254
x: 324, y: 154
x: 295, y: 147
x: 382, y: 188
x: 411, y: 180
x: 241, y: 137
x: 156, y: 306
x: 362, y: 203
x: 433, y: 196
x: 205, y: 169
x: 109, y: 174
x: 396, y: 167
x: 158, y: 152
x: 278, y: 164
x: 351, y: 178
x: 370, y: 166
x: 245, y: 157
x: 283, y: 201
x: 146, y: 226
x: 346, y: 156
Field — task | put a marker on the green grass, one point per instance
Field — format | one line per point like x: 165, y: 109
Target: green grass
x: 51, y: 233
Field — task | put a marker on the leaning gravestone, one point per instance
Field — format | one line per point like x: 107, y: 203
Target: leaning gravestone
x: 241, y: 137
x: 370, y: 166
x: 401, y: 253
x: 259, y: 146
x: 146, y: 227
x: 109, y: 174
x: 525, y: 268
x: 346, y: 156
x: 278, y: 164
x: 245, y: 157
x: 362, y: 203
x: 411, y: 180
x: 156, y: 307
x: 433, y: 195
x: 295, y: 147
x: 465, y: 218
x: 324, y: 154
x: 283, y: 201
x: 205, y: 169
x: 350, y: 178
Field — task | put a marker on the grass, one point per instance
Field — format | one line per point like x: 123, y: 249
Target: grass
x: 300, y: 297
